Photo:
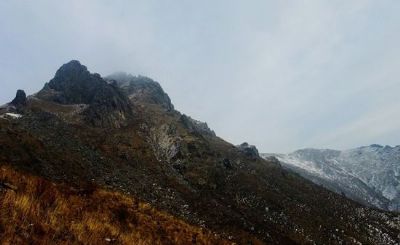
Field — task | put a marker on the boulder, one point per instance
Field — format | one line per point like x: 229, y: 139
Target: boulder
x: 227, y: 163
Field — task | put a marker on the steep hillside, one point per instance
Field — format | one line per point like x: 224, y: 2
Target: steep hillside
x: 142, y: 147
x: 369, y: 174
x: 34, y: 210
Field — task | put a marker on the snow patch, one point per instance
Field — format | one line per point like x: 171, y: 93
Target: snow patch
x: 11, y: 115
x: 390, y: 192
x: 303, y: 164
x: 369, y: 174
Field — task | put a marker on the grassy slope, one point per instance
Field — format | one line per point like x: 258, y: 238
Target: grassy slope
x: 229, y: 201
x: 49, y: 213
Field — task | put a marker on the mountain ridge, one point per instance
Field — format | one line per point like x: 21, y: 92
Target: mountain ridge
x: 176, y: 164
x: 367, y: 174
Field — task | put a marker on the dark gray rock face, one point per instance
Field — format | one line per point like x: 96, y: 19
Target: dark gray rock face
x: 74, y: 84
x: 20, y: 98
x: 249, y: 150
x: 227, y: 163
x: 141, y: 89
x: 195, y: 126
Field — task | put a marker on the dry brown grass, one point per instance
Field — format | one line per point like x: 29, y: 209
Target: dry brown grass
x: 42, y: 212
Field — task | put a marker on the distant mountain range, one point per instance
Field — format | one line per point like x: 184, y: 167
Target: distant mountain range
x: 368, y: 174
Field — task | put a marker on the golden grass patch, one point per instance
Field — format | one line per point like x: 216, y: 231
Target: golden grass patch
x: 42, y: 212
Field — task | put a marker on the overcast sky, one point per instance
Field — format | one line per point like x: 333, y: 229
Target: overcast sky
x: 281, y: 75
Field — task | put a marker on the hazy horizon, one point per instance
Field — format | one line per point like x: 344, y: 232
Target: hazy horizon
x: 279, y: 75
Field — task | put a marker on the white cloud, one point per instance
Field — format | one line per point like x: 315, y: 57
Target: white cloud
x: 381, y: 122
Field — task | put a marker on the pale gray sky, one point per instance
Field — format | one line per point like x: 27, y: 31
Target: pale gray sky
x: 281, y: 75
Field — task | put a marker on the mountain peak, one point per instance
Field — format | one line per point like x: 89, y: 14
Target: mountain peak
x: 73, y: 66
x: 74, y: 84
x: 142, y: 89
x: 71, y: 74
x: 84, y: 132
x: 20, y: 98
x: 122, y: 78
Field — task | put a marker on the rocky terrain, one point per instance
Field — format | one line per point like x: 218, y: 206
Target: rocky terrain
x: 368, y: 174
x: 122, y: 134
x: 73, y: 84
x: 37, y: 211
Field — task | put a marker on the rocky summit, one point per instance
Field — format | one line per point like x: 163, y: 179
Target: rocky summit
x: 20, y: 99
x: 140, y: 88
x: 86, y: 147
x: 73, y: 84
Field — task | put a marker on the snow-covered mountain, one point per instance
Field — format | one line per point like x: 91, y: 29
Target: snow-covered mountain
x: 368, y: 174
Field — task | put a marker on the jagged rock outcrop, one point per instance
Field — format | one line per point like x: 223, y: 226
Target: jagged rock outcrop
x: 167, y: 145
x: 20, y: 99
x: 249, y: 150
x: 142, y: 89
x: 74, y: 84
x: 195, y: 126
x: 157, y: 158
x: 16, y: 107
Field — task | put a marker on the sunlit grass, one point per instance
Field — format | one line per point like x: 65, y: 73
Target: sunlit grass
x: 46, y: 213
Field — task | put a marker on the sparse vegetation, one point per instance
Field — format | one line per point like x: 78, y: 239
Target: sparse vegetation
x: 157, y: 157
x: 43, y: 212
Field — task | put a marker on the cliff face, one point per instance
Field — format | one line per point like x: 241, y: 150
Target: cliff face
x: 73, y: 84
x: 149, y: 151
